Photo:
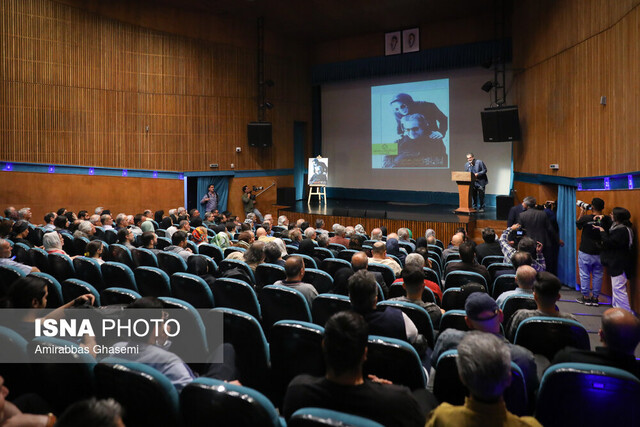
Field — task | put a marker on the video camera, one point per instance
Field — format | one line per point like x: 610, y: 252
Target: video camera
x: 583, y: 205
x: 257, y: 188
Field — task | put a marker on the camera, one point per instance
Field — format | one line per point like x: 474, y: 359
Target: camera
x: 257, y: 188
x: 550, y: 205
x: 583, y: 205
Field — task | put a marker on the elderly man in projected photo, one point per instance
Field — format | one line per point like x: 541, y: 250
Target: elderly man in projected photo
x: 417, y: 148
x: 437, y: 123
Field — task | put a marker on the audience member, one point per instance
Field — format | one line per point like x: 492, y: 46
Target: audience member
x: 376, y: 234
x: 149, y: 241
x: 199, y: 235
x: 273, y: 254
x: 456, y: 240
x: 379, y: 256
x: 404, y: 235
x: 339, y: 237
x: 5, y: 258
x: 468, y: 262
x: 525, y: 278
x: 94, y: 250
x: 179, y: 245
x: 254, y: 256
x: 484, y: 367
x: 126, y: 238
x: 413, y: 283
x: 344, y: 388
x: 294, y: 269
x: 417, y: 260
x: 92, y: 412
x: 48, y: 221
x: 526, y: 244
x: 52, y: 243
x: 20, y: 232
x: 86, y: 230
x: 491, y: 246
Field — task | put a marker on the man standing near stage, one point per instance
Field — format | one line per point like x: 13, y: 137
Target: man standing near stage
x: 248, y: 201
x: 478, y: 168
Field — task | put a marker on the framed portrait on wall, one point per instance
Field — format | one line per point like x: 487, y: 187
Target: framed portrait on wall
x: 411, y: 40
x: 392, y: 43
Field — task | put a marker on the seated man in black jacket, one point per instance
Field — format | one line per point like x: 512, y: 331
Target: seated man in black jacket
x: 343, y: 388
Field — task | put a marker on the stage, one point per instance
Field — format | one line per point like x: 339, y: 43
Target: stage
x: 418, y: 217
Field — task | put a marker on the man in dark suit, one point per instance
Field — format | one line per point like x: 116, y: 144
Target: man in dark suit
x: 479, y: 170
x: 515, y: 212
x: 537, y: 226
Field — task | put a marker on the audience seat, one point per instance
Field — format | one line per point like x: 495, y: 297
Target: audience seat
x: 454, y: 299
x: 8, y: 275
x: 211, y: 251
x: 450, y: 257
x: 406, y: 246
x: 321, y: 280
x: 192, y: 245
x: 54, y: 299
x: 319, y: 417
x: 35, y: 235
x: 268, y: 274
x: 453, y: 319
x: 504, y: 283
x: 435, y: 248
x: 60, y: 267
x: 144, y: 257
x: 110, y: 236
x: 337, y: 247
x: 244, y: 332
x: 73, y: 288
x: 207, y: 402
x: 171, y: 263
x: 232, y: 249
x: 117, y: 274
x: 192, y: 289
x: 118, y: 296
x: 79, y: 246
x: 447, y: 386
x: 326, y: 305
x: 291, y: 249
x: 16, y: 373
x: 122, y: 254
x: 582, y: 394
x: 21, y: 252
x: 88, y: 269
x: 548, y: 335
x: 459, y: 278
x: 432, y: 275
x: 347, y: 254
x: 228, y: 264
x: 514, y: 303
x: 322, y: 253
x: 147, y: 396
x: 492, y: 259
x: 163, y: 242
x: 236, y: 294
x: 282, y: 303
x: 99, y: 234
x: 385, y: 270
x: 418, y: 316
x: 62, y: 378
x: 152, y: 282
x: 39, y: 258
x: 201, y: 265
x: 295, y: 348
x: 67, y: 243
x: 332, y: 265
x: 396, y: 361
x: 499, y: 266
x: 309, y: 262
x: 193, y: 346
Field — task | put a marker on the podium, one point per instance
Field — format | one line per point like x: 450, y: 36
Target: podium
x: 465, y: 181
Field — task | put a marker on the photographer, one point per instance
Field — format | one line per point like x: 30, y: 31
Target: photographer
x: 524, y: 243
x: 249, y: 201
x: 590, y: 248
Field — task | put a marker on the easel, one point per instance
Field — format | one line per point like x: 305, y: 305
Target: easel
x: 320, y: 191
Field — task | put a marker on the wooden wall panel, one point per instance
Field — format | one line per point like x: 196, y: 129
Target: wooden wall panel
x: 566, y: 56
x: 266, y: 200
x: 48, y: 192
x: 84, y: 89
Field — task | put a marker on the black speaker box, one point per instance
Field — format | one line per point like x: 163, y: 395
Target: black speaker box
x: 259, y: 134
x: 286, y: 196
x: 503, y: 206
x: 372, y: 213
x: 500, y: 124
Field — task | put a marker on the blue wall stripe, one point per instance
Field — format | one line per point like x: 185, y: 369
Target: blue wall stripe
x: 84, y: 170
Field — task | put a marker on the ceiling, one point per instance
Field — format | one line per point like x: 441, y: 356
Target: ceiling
x: 323, y: 20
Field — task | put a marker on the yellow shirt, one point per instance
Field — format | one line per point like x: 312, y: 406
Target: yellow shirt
x: 474, y: 413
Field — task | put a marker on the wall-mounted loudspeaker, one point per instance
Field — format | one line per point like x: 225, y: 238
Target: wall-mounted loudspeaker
x: 500, y: 124
x: 259, y: 134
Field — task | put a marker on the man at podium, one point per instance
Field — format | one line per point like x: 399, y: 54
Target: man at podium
x: 478, y: 168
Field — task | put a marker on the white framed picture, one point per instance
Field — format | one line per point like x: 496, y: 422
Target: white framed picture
x: 392, y: 43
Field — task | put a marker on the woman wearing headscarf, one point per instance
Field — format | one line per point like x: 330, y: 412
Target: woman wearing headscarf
x: 393, y: 248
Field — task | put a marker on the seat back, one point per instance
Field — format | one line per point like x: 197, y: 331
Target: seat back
x: 332, y: 265
x: 8, y: 275
x: 80, y: 246
x: 60, y: 267
x: 548, y: 335
x: 62, y: 378
x: 492, y: 259
x: 206, y: 399
x: 244, y: 332
x: 122, y: 254
x: 282, y: 303
x: 171, y: 263
x: 268, y: 274
x: 73, y: 288
x: 346, y: 254
x: 152, y: 281
x: 211, y: 251
x: 458, y: 278
x: 394, y: 360
x: 322, y: 253
x: 585, y: 394
x: 144, y: 257
x: 67, y: 243
x: 39, y: 258
x: 295, y: 348
x: 291, y: 249
x: 385, y: 270
x: 319, y: 417
x: 432, y: 275
x: 12, y: 366
x: 418, y: 315
x: 503, y: 283
x: 453, y: 319
x: 326, y: 305
x: 118, y: 296
x: 309, y: 262
x: 88, y: 269
x: 447, y: 386
x: 163, y: 242
x: 229, y: 264
x: 192, y: 346
x: 453, y: 299
x: 35, y: 235
x: 200, y: 265
x: 514, y: 303
x: 321, y: 280
x: 192, y: 289
x: 498, y: 266
x: 147, y: 396
x: 192, y: 245
x: 231, y: 249
x: 236, y: 294
x: 110, y: 236
x: 55, y: 298
x: 21, y: 252
x: 117, y: 274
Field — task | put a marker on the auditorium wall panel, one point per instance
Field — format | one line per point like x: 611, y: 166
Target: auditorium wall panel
x: 49, y: 192
x: 138, y: 84
x: 566, y: 55
x: 266, y: 200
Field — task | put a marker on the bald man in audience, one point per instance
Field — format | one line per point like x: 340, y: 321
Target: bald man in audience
x: 359, y: 261
x: 376, y: 234
x: 262, y: 236
x: 294, y: 269
x: 456, y: 241
x: 525, y: 277
x: 5, y: 258
x: 619, y: 335
x: 379, y: 256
